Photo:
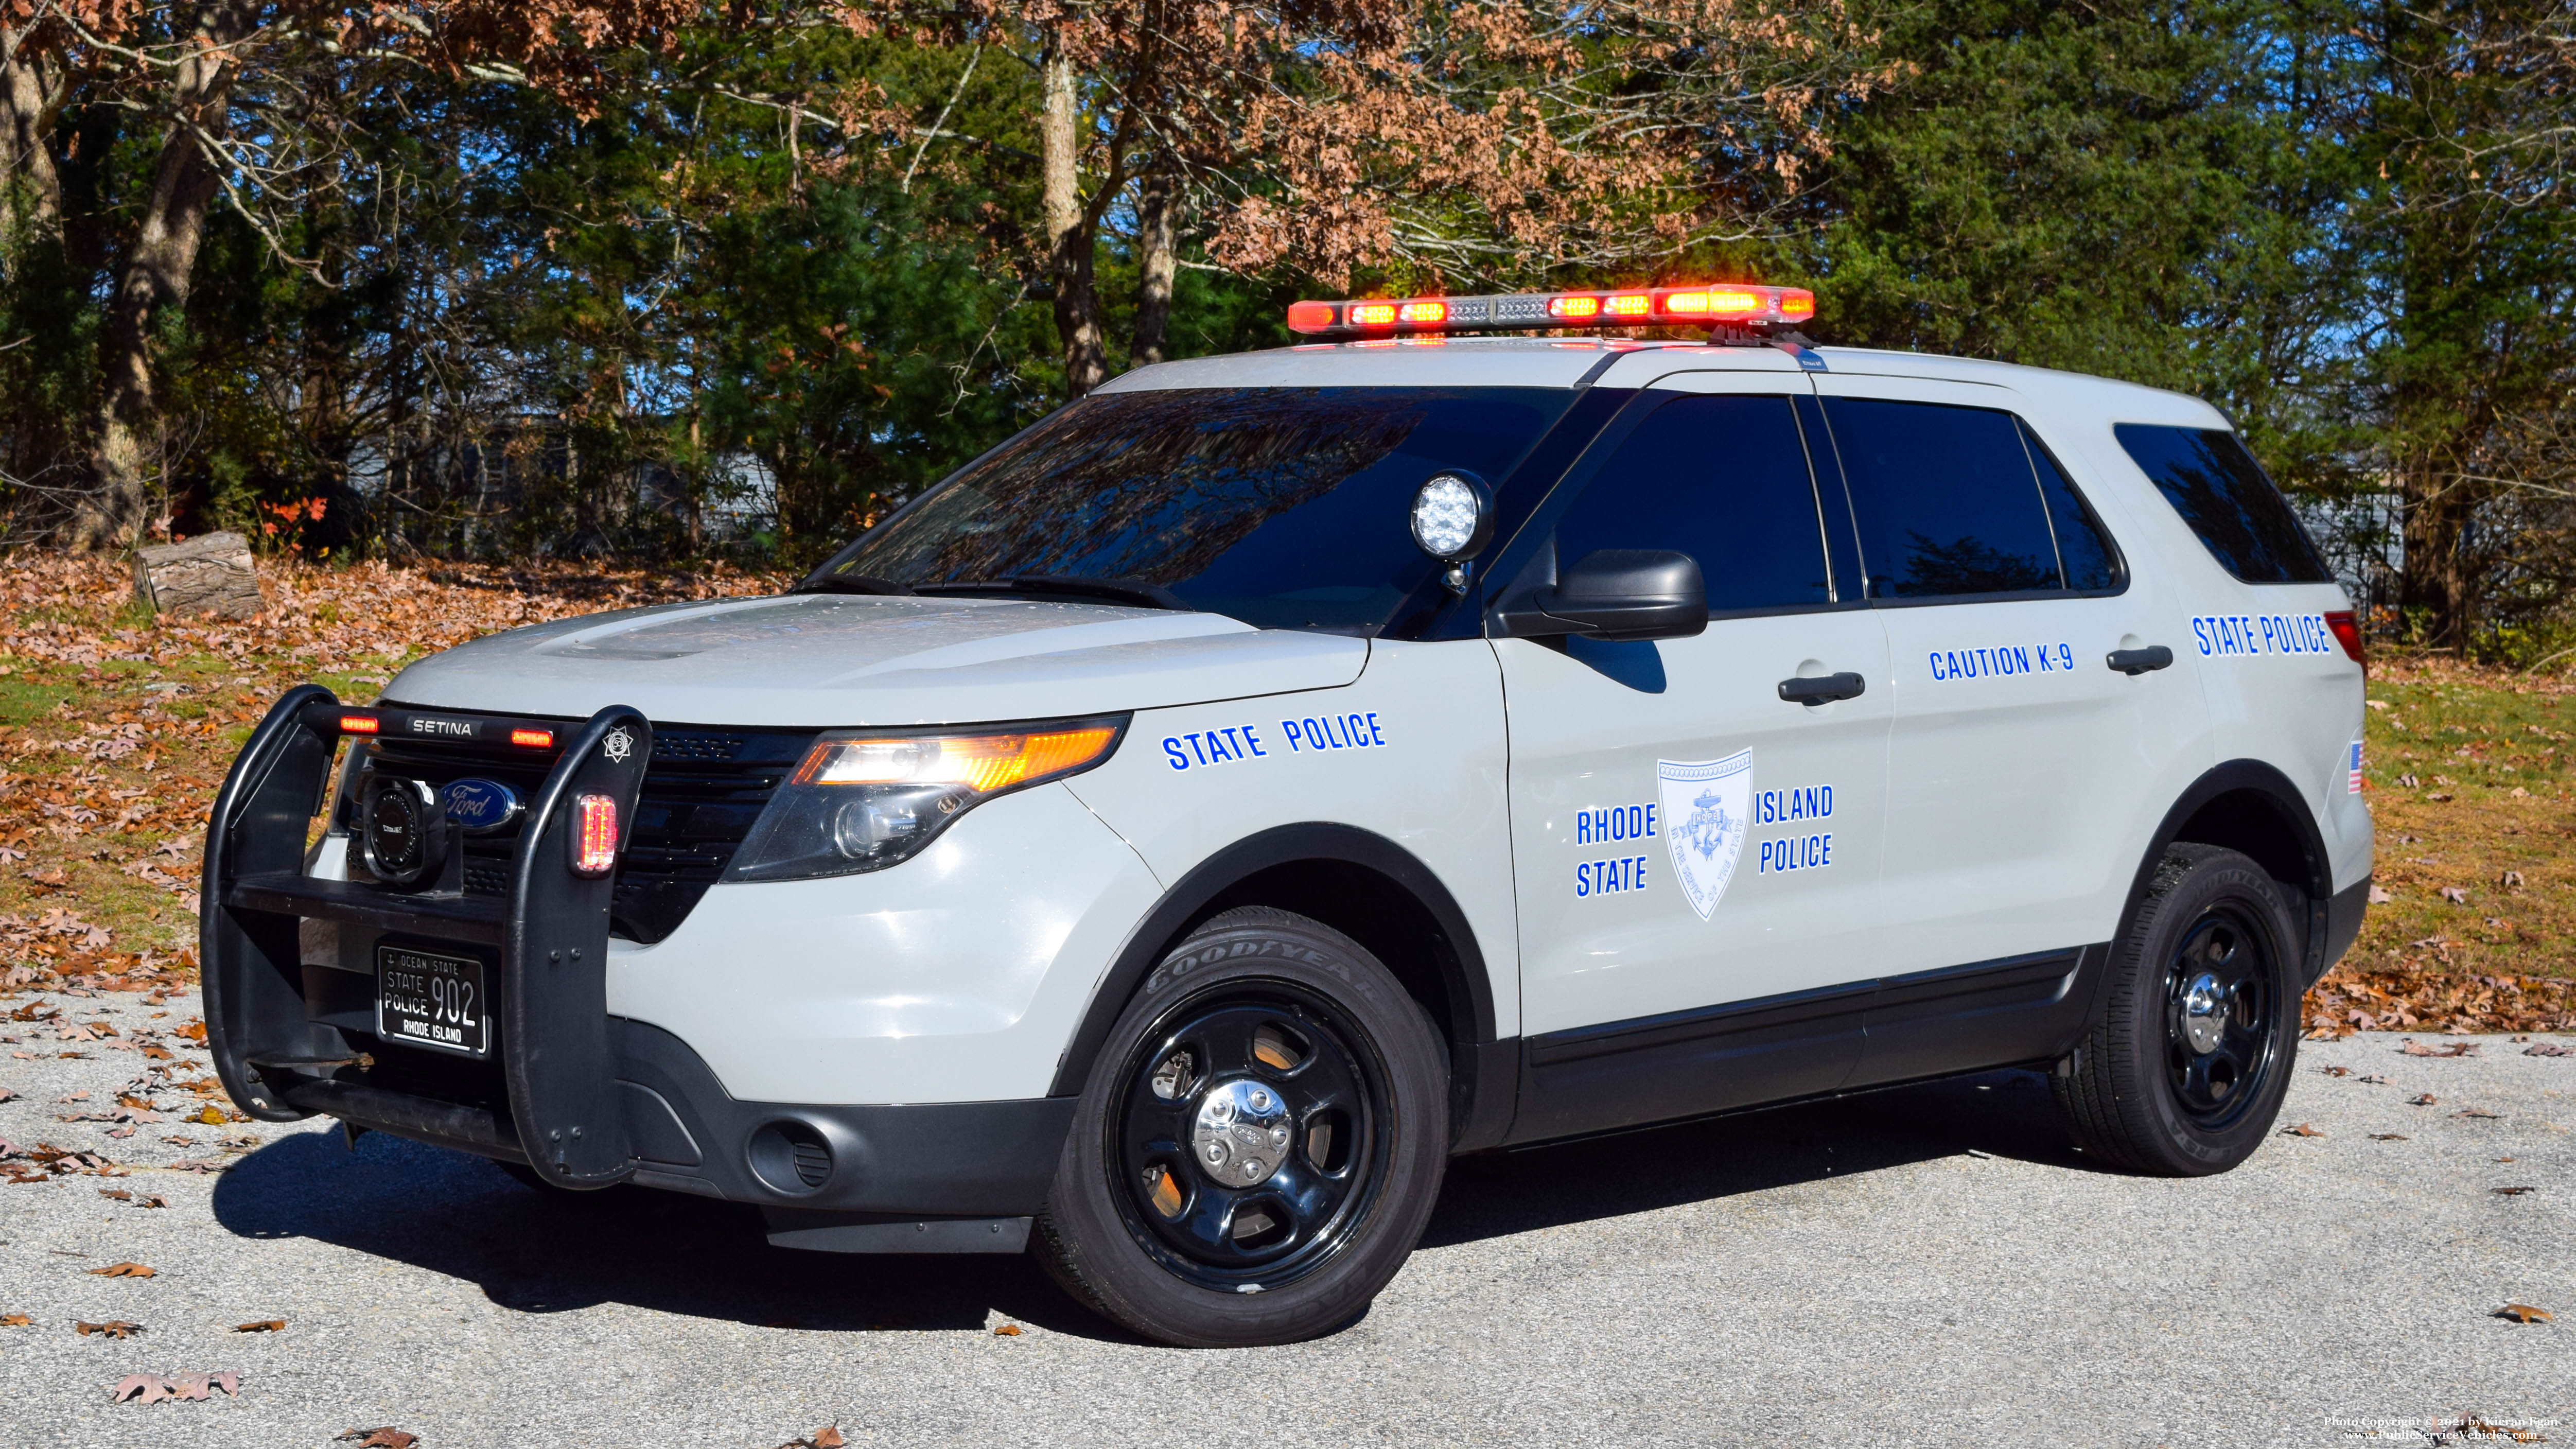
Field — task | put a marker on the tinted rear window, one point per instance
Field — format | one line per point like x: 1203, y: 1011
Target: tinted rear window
x: 2221, y: 492
x: 1283, y: 507
x: 1945, y: 500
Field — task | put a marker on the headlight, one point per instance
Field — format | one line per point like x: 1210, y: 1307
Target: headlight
x: 865, y: 800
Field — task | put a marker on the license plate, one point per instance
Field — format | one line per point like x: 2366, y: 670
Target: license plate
x: 433, y: 1001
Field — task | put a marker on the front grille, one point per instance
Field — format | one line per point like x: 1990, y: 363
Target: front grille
x: 702, y: 791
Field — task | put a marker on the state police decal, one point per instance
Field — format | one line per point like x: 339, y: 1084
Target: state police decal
x: 1707, y: 807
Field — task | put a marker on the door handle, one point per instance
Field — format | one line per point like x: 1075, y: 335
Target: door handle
x: 2134, y: 662
x: 1823, y: 690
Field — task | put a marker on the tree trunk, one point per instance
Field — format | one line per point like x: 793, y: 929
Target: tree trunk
x: 31, y: 194
x: 2432, y: 585
x: 210, y: 574
x: 1069, y: 229
x: 1158, y: 205
x: 156, y: 274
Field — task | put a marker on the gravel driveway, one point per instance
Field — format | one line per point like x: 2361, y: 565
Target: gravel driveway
x: 1931, y: 1265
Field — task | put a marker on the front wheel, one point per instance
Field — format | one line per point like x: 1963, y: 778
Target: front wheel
x: 2185, y: 1071
x: 1259, y: 1143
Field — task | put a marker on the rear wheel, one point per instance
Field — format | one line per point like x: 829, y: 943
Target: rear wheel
x: 2185, y: 1071
x: 1259, y: 1143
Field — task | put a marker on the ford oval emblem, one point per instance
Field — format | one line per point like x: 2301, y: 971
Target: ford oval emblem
x: 481, y: 806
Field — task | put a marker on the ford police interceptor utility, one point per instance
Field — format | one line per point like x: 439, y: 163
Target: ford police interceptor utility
x: 1173, y: 836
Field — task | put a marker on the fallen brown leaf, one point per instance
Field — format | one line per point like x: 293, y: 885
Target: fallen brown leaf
x: 2525, y: 1313
x: 2337, y: 1071
x: 118, y: 1193
x: 113, y: 1328
x: 1007, y: 1330
x: 265, y: 1325
x: 2390, y: 1137
x: 2473, y: 1112
x: 383, y: 1436
x: 2302, y: 1130
x: 2549, y: 1049
x: 141, y: 1388
x: 2456, y: 1049
x: 2512, y: 1191
x: 827, y: 1437
x: 123, y: 1270
x: 14, y: 1320
x: 2426, y: 1100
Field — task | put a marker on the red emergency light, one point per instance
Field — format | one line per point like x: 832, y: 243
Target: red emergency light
x: 1726, y: 305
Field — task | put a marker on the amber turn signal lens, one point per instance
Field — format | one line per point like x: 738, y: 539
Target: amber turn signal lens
x: 981, y: 763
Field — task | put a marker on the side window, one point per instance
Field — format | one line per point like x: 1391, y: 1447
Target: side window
x: 1945, y: 500
x: 2083, y: 546
x: 1723, y: 479
x: 2221, y: 492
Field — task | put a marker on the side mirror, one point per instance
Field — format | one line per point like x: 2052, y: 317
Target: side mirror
x: 1617, y: 593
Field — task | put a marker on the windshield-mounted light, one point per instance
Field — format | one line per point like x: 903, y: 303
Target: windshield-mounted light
x: 862, y: 801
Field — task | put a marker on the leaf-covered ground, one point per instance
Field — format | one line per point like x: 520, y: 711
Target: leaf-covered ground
x: 2468, y: 773
x: 116, y: 728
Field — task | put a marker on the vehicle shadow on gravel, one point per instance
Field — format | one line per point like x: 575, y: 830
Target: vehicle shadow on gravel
x: 2005, y: 1114
x: 537, y: 1252
x: 534, y: 1252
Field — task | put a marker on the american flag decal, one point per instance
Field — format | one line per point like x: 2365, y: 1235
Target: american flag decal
x: 2353, y: 785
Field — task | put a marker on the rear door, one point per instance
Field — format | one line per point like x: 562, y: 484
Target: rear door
x: 2025, y: 771
x: 1696, y: 859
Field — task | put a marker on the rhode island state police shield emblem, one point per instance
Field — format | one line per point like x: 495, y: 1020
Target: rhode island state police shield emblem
x: 1706, y: 808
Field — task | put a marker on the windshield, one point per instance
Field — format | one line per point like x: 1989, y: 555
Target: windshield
x: 1286, y: 508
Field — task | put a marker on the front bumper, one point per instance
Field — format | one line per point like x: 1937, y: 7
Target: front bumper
x: 586, y: 1099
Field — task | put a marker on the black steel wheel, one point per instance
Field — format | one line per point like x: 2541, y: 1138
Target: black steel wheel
x: 2184, y: 1071
x: 2220, y: 1030
x: 1248, y: 1128
x: 1260, y: 1141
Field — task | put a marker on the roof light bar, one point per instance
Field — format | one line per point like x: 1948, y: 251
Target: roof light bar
x: 1752, y: 308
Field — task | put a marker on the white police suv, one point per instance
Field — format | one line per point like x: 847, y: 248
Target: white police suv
x: 1180, y: 831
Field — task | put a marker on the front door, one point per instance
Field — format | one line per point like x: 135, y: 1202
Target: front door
x: 1696, y: 859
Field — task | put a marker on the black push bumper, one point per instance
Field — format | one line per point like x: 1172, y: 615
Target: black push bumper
x: 585, y: 1099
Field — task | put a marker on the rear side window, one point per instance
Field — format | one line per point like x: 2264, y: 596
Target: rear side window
x: 2221, y: 492
x: 1723, y: 479
x: 2083, y: 549
x: 1949, y: 503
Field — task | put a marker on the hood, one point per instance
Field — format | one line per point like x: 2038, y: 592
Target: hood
x: 839, y: 660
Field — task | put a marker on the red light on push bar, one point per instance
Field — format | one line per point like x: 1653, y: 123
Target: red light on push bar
x: 1423, y: 312
x: 2347, y: 632
x: 1574, y: 307
x: 594, y: 835
x: 533, y: 739
x: 1372, y: 314
x: 1632, y: 304
x: 1310, y: 316
x: 359, y: 724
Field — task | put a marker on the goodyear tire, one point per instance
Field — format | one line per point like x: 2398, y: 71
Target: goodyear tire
x: 1259, y: 1143
x: 2183, y: 1074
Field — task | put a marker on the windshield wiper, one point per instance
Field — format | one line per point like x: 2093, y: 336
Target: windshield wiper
x: 1124, y: 591
x: 851, y: 584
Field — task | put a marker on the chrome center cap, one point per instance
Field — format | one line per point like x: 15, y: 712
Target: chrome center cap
x: 1240, y: 1134
x: 2205, y: 1005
